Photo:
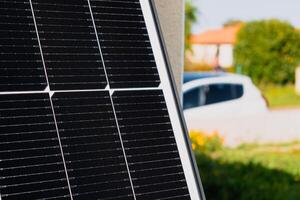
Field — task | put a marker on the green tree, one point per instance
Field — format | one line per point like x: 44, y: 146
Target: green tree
x: 232, y: 22
x: 268, y: 51
x: 190, y: 18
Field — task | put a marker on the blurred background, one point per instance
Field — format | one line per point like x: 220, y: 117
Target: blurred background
x: 241, y: 96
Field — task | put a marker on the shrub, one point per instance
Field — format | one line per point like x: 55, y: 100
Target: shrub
x: 250, y: 172
x: 268, y: 51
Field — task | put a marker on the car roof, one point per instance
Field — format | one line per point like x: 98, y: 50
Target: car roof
x: 191, y: 76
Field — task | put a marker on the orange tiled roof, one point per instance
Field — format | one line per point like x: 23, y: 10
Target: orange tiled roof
x: 226, y: 35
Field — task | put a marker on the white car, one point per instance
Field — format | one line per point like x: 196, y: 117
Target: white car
x: 210, y: 95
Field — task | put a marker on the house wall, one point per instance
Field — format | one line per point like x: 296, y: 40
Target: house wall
x: 203, y: 54
x: 206, y: 54
x: 171, y: 17
x: 226, y: 55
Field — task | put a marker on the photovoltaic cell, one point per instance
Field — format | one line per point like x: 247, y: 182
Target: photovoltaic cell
x: 92, y: 147
x: 31, y: 165
x: 150, y: 145
x: 125, y: 44
x: 71, y: 52
x: 21, y: 67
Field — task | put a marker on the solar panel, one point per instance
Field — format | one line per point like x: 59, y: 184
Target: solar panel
x: 88, y: 109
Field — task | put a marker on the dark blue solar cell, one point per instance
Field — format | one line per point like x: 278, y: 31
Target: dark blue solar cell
x: 31, y: 164
x: 92, y: 147
x: 151, y: 149
x: 125, y: 44
x: 21, y: 67
x: 70, y: 48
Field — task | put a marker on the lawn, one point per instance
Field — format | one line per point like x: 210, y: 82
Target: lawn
x: 281, y: 96
x: 252, y: 172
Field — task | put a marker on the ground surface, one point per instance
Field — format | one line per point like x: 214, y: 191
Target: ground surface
x: 276, y: 126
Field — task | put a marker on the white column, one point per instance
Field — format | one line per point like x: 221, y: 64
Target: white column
x: 298, y: 80
x: 171, y: 17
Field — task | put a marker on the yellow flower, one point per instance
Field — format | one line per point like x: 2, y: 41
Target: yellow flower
x: 202, y: 141
x: 193, y: 146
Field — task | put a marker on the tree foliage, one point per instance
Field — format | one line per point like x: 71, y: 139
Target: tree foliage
x: 268, y: 51
x: 190, y: 18
x: 232, y: 22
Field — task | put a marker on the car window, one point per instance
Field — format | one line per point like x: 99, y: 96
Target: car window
x: 191, y: 98
x: 223, y: 92
x: 210, y: 94
x: 194, y: 97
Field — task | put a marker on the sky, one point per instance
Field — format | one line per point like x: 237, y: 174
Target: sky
x: 213, y: 13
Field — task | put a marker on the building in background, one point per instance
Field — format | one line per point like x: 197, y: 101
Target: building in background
x: 213, y: 48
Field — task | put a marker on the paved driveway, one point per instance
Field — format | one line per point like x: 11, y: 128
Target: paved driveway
x: 275, y: 126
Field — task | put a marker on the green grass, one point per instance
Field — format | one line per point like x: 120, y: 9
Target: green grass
x: 284, y: 157
x: 281, y: 96
x: 258, y: 172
